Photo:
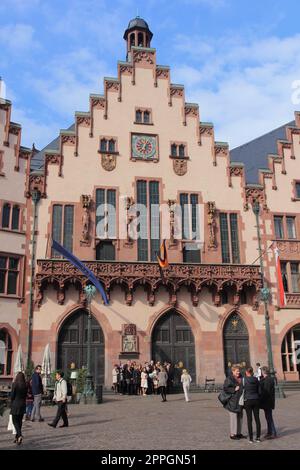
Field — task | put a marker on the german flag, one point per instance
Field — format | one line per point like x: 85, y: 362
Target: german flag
x: 162, y: 258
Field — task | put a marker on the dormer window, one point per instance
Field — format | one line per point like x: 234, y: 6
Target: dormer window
x: 178, y: 150
x: 108, y: 145
x: 143, y: 116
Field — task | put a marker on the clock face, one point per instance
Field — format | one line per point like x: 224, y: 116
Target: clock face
x: 144, y: 146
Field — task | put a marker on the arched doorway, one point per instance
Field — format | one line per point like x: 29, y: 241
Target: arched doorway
x: 236, y: 342
x: 290, y: 353
x: 72, y: 345
x: 173, y: 341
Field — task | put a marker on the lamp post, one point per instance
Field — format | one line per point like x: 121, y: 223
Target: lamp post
x: 264, y: 296
x: 90, y: 292
x: 36, y: 196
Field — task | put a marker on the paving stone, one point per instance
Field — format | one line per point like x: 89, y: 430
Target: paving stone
x: 129, y: 422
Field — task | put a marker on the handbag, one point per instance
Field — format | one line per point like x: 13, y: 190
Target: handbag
x: 242, y: 399
x: 224, y: 397
x: 10, y: 426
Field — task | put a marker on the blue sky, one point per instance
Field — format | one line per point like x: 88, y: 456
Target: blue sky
x: 237, y: 59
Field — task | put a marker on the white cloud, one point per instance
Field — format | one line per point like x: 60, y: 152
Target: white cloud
x: 33, y: 130
x: 17, y: 37
x: 64, y: 84
x: 243, y: 85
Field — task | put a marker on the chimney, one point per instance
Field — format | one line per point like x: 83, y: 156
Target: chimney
x: 2, y: 89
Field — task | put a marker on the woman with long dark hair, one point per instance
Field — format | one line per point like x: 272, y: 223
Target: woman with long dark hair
x: 18, y: 404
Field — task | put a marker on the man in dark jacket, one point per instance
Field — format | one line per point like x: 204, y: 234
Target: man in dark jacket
x: 234, y: 387
x: 37, y: 391
x: 267, y: 401
x: 251, y: 403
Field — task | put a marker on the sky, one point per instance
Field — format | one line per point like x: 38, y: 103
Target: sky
x: 239, y: 60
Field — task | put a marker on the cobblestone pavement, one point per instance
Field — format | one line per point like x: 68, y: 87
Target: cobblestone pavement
x: 123, y: 422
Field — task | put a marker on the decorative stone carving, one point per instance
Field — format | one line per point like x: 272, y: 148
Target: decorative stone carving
x: 14, y: 130
x: 129, y: 339
x: 86, y: 120
x: 86, y: 203
x: 255, y: 194
x: 112, y: 86
x: 288, y: 246
x: 178, y: 92
x: 129, y: 202
x: 236, y: 171
x: 36, y: 182
x: 191, y: 111
x: 98, y: 102
x: 126, y: 69
x: 206, y: 131
x: 68, y: 139
x: 143, y: 57
x: 51, y: 159
x: 211, y: 222
x: 235, y: 326
x: 172, y: 206
x: 221, y: 151
x: 108, y: 161
x: 180, y: 167
x: 162, y: 73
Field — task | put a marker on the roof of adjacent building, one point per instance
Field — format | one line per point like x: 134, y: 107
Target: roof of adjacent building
x: 254, y: 153
x: 37, y: 161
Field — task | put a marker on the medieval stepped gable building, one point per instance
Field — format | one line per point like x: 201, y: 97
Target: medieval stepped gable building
x: 142, y: 152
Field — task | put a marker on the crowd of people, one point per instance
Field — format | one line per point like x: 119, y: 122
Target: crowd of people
x: 149, y: 378
x: 251, y: 392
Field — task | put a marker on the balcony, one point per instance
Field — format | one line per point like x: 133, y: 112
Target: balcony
x: 129, y: 275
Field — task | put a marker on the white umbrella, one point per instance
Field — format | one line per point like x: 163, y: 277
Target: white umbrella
x: 19, y: 364
x: 46, y: 364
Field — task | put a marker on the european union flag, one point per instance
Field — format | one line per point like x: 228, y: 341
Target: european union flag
x: 79, y: 265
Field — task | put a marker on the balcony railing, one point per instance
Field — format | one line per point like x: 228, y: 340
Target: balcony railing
x: 129, y: 275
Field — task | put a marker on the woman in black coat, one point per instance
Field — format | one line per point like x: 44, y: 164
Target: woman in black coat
x: 233, y: 386
x: 267, y: 401
x: 18, y: 404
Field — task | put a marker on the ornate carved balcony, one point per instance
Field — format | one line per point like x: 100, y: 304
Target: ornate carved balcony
x: 293, y: 300
x: 129, y: 275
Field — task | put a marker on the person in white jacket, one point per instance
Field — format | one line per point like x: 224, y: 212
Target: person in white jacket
x: 60, y: 397
x: 186, y: 380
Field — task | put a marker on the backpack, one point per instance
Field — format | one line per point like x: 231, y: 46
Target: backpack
x: 69, y: 389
